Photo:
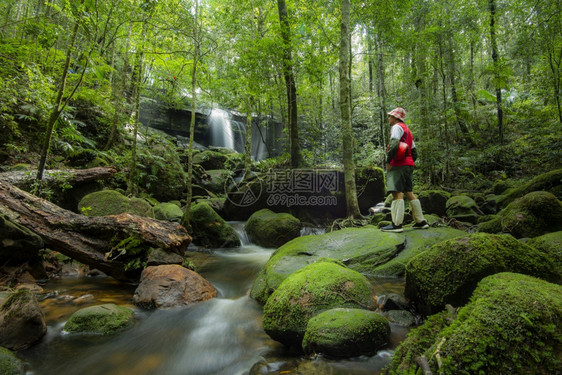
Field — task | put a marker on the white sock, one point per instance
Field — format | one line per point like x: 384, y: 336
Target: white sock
x: 417, y: 213
x: 397, y: 211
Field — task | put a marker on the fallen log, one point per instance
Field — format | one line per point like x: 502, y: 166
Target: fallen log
x: 68, y: 176
x: 116, y: 245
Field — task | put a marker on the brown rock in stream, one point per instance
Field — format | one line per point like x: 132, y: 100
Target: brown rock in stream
x: 171, y: 286
x: 21, y: 321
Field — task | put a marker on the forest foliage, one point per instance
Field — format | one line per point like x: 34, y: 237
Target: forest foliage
x: 433, y: 57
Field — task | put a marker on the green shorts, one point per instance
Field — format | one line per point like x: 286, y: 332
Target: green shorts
x: 399, y: 179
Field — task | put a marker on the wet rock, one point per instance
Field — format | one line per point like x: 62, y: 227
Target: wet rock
x: 111, y: 202
x: 158, y: 257
x: 216, y: 180
x: 21, y: 321
x: 10, y: 364
x: 532, y: 215
x: 170, y: 286
x: 449, y: 271
x: 401, y: 317
x: 168, y: 212
x: 211, y: 230
x: 393, y: 301
x: 102, y: 319
x: 346, y: 332
x: 319, y: 286
x: 209, y: 159
x: 269, y: 229
x: 511, y: 326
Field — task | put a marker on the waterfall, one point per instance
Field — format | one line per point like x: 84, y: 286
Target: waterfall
x: 220, y: 124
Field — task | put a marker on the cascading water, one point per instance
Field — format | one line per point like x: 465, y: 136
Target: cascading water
x: 222, y: 336
x: 222, y: 133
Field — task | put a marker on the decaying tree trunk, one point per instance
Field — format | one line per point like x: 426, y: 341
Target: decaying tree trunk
x: 95, y: 241
x: 69, y: 176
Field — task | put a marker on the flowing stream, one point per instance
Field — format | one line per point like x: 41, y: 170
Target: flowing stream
x: 220, y: 336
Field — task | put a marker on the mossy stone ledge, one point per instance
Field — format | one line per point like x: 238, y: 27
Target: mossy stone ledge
x: 449, y: 271
x: 210, y: 230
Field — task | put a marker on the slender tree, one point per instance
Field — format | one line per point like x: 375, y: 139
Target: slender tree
x: 294, y: 147
x: 345, y: 106
x: 495, y: 58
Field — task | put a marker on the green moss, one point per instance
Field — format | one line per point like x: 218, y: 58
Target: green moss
x: 102, y: 319
x: 532, y: 215
x: 168, y: 212
x: 416, y: 343
x: 211, y: 230
x: 9, y: 363
x: 550, y: 244
x: 510, y: 326
x: 133, y: 251
x: 346, y: 332
x: 111, y: 202
x: 315, y: 288
x: 449, y: 271
x: 269, y: 229
x: 549, y: 181
x: 361, y: 249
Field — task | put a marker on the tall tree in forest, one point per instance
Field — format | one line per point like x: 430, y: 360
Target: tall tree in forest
x: 495, y: 58
x: 294, y: 147
x: 62, y: 100
x: 345, y: 105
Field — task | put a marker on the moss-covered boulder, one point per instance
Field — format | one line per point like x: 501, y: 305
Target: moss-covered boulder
x: 22, y: 322
x: 449, y: 271
x: 434, y: 201
x: 102, y: 319
x: 550, y: 244
x: 550, y: 181
x: 345, y: 332
x: 532, y: 215
x: 463, y: 208
x: 269, y: 229
x: 10, y: 364
x: 366, y: 250
x: 111, y: 202
x: 511, y: 326
x: 168, y: 212
x: 317, y: 287
x: 211, y: 230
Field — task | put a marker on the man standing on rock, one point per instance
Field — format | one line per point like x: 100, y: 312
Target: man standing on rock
x: 400, y: 168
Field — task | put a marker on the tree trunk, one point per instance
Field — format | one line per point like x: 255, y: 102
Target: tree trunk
x: 196, y: 55
x: 90, y: 240
x: 248, y: 141
x: 495, y: 58
x: 345, y: 105
x: 382, y: 94
x: 58, y: 105
x: 294, y: 147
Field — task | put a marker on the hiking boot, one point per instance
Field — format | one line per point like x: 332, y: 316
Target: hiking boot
x: 422, y: 225
x: 392, y: 228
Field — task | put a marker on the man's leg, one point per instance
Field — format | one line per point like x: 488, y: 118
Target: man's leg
x: 417, y: 213
x: 396, y: 212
